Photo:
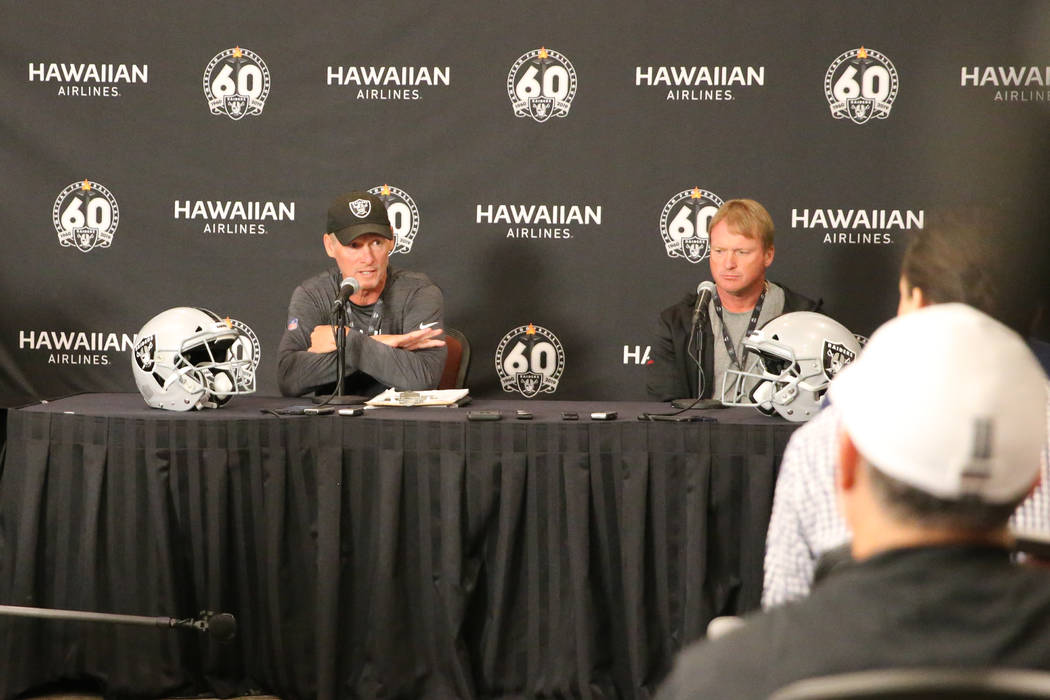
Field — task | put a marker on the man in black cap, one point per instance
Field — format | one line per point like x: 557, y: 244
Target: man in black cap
x: 395, y: 317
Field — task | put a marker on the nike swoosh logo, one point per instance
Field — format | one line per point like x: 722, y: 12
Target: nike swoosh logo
x: 423, y: 326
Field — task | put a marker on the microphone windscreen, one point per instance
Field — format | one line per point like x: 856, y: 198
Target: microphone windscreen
x: 352, y: 283
x: 706, y: 285
x: 222, y: 627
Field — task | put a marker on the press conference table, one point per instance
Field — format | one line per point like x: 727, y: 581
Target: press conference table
x: 407, y: 552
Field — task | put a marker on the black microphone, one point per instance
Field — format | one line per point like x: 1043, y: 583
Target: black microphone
x: 222, y: 627
x: 349, y: 287
x: 704, y: 292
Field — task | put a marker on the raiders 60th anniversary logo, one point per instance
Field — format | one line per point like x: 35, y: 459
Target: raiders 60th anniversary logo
x: 541, y: 85
x: 530, y: 360
x: 860, y: 85
x: 236, y: 83
x: 85, y: 216
x: 403, y: 213
x: 683, y: 223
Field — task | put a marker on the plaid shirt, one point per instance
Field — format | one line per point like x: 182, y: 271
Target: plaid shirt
x: 806, y: 523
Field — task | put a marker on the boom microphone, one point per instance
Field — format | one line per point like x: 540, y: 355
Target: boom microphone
x: 349, y: 287
x: 222, y: 627
x: 704, y: 293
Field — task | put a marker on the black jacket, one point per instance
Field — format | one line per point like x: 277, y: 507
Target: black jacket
x: 671, y: 374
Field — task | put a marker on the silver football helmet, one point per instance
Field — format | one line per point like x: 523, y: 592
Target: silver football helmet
x: 789, y: 363
x: 187, y: 358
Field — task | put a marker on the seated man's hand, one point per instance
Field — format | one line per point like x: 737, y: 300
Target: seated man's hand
x: 420, y: 339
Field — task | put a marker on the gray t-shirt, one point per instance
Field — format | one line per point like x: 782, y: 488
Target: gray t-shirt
x: 736, y: 323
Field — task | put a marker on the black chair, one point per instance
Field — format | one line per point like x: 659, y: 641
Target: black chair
x: 922, y: 684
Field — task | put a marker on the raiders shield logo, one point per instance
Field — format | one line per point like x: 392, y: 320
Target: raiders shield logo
x: 85, y: 238
x: 836, y: 356
x: 693, y: 248
x: 144, y: 352
x: 360, y: 208
x: 860, y: 110
x: 529, y: 383
x: 235, y: 105
x: 541, y: 108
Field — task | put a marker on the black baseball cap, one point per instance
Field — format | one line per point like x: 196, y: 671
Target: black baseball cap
x: 357, y: 213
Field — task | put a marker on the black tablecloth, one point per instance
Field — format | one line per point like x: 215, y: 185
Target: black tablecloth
x: 403, y: 553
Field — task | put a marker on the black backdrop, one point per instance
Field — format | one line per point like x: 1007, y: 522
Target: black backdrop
x: 457, y: 149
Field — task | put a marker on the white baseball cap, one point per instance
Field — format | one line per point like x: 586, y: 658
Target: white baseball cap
x: 950, y: 401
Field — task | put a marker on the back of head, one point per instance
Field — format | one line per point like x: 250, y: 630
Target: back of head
x: 949, y: 403
x: 980, y: 256
x: 746, y: 217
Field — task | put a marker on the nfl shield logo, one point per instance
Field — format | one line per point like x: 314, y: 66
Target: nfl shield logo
x: 529, y: 383
x: 85, y: 238
x: 360, y: 208
x: 693, y: 248
x: 836, y: 357
x: 234, y: 105
x: 860, y: 109
x: 144, y: 353
x: 541, y: 108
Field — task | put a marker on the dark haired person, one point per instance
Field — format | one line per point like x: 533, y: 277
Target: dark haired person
x: 395, y: 317
x: 927, y: 486
x: 741, y: 250
x: 954, y: 259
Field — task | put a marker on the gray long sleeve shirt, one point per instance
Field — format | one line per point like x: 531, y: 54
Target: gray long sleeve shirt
x: 409, y: 301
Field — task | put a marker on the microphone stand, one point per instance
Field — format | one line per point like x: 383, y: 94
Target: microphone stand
x: 339, y: 396
x: 222, y: 627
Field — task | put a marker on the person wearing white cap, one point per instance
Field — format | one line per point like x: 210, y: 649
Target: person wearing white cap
x: 927, y: 481
x: 954, y: 259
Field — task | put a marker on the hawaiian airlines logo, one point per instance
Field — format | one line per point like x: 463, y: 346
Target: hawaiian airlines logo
x: 861, y: 85
x: 68, y: 347
x: 684, y: 221
x: 403, y: 214
x: 389, y: 82
x: 236, y: 83
x: 699, y: 83
x: 857, y: 226
x: 539, y: 220
x: 541, y: 84
x: 1010, y: 83
x: 234, y: 216
x: 89, y: 79
x: 530, y: 361
x: 85, y: 216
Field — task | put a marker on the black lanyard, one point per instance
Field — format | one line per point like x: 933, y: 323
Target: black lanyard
x: 752, y: 324
x: 373, y: 322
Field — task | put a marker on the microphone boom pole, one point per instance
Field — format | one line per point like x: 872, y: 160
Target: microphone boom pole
x: 220, y: 626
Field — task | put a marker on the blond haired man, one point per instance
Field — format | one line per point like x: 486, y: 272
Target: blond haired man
x: 689, y: 360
